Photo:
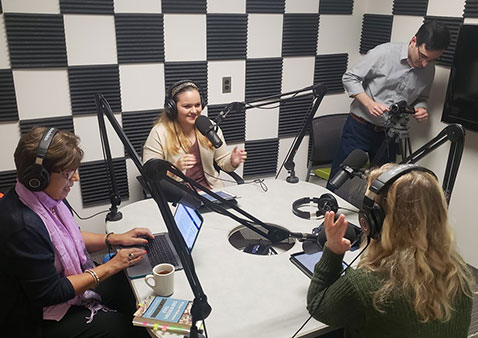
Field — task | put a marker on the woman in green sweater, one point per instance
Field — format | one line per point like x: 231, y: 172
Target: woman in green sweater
x: 410, y: 281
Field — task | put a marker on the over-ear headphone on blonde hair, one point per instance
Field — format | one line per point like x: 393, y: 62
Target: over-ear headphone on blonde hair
x: 35, y: 177
x: 372, y: 215
x: 170, y: 107
x: 326, y: 202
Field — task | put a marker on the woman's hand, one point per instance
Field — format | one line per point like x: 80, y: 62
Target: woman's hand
x: 186, y: 162
x: 335, y: 231
x: 125, y: 258
x: 136, y: 236
x: 238, y: 157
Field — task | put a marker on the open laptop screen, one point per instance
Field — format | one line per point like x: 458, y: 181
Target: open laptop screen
x: 189, y: 222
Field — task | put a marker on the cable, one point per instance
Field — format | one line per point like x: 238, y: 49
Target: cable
x: 88, y: 217
x: 352, y: 210
x: 257, y: 180
x: 327, y: 288
x: 205, y: 330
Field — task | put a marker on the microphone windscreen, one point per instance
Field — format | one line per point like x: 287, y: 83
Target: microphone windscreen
x: 206, y: 128
x: 203, y: 124
x: 356, y: 159
x: 155, y: 172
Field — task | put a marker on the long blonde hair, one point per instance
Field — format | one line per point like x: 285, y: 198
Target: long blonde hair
x: 416, y: 253
x: 174, y: 134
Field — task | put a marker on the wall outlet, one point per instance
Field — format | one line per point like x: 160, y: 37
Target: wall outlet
x: 226, y: 84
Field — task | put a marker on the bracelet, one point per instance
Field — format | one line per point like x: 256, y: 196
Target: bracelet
x: 107, y: 240
x: 94, y: 275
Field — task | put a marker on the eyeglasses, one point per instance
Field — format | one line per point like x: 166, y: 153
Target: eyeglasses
x: 423, y: 57
x: 68, y: 174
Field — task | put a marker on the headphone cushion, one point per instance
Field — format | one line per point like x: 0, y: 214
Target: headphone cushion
x: 378, y: 216
x: 35, y: 178
x: 327, y: 202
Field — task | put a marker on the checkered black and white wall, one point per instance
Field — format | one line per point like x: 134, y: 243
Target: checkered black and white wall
x: 56, y: 54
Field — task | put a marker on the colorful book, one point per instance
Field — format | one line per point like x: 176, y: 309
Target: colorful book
x: 165, y: 314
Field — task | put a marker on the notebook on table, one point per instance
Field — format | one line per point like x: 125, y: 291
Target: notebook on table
x: 161, y: 249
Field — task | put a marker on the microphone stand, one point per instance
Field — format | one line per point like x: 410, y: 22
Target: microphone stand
x: 318, y: 90
x: 200, y: 308
x: 115, y: 199
x: 455, y: 133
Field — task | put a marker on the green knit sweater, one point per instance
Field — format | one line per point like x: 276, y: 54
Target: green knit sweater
x: 348, y: 303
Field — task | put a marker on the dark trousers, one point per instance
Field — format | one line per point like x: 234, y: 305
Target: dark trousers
x: 115, y: 293
x: 356, y: 135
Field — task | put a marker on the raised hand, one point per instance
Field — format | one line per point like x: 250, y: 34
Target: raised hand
x: 335, y: 232
x: 238, y: 156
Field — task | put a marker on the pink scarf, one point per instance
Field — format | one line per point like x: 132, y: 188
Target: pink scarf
x: 70, y: 250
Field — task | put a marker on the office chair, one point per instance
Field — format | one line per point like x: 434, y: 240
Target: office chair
x: 326, y: 133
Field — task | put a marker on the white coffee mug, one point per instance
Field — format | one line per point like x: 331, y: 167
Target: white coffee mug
x: 162, y: 279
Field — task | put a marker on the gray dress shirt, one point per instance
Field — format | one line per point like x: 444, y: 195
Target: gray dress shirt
x: 385, y: 75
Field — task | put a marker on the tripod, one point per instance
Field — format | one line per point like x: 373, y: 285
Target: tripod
x: 397, y: 139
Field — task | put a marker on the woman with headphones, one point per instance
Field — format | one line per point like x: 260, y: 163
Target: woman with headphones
x: 410, y: 281
x: 176, y: 139
x: 51, y: 287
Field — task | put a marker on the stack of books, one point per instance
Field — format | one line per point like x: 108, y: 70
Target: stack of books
x: 164, y: 314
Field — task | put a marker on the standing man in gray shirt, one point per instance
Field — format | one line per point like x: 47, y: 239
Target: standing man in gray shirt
x: 387, y: 74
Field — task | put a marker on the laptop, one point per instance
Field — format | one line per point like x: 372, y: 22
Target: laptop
x: 161, y: 249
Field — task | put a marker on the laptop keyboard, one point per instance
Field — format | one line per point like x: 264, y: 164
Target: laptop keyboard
x: 159, y: 251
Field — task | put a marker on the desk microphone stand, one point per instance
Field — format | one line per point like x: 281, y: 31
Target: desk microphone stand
x: 115, y: 199
x: 200, y: 308
x: 454, y: 133
x: 318, y: 90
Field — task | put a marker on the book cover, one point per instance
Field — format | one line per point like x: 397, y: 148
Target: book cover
x: 163, y: 313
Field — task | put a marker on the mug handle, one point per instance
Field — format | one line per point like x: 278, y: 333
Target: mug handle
x: 148, y: 278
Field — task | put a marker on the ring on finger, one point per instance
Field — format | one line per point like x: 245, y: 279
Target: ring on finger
x: 130, y: 256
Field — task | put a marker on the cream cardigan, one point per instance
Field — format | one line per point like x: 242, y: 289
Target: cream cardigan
x: 155, y: 147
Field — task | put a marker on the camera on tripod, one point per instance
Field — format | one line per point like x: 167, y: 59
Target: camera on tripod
x: 401, y: 108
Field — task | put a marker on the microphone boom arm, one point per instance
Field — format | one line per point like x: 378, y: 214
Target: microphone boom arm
x: 455, y: 133
x: 200, y: 309
x: 318, y: 90
x: 274, y: 234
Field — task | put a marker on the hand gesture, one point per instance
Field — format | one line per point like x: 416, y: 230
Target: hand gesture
x: 376, y: 108
x: 238, y: 157
x: 136, y: 236
x: 125, y: 258
x: 186, y: 162
x: 335, y: 231
x: 421, y: 114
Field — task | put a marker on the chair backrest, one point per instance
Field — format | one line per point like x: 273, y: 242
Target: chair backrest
x: 326, y: 134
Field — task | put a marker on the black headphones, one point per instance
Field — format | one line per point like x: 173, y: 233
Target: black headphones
x: 170, y: 107
x: 325, y: 202
x: 35, y: 177
x: 372, y: 215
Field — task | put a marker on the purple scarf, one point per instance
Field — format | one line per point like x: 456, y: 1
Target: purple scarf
x: 70, y: 250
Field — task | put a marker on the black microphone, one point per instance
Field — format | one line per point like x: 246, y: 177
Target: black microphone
x: 155, y: 172
x: 206, y: 128
x: 315, y: 242
x: 349, y: 168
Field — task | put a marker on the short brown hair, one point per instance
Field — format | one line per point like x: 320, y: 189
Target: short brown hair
x: 63, y: 153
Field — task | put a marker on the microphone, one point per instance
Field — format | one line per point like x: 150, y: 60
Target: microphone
x: 155, y: 172
x: 315, y: 242
x: 349, y: 168
x: 206, y: 128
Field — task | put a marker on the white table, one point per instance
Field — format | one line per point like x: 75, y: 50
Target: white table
x: 250, y: 295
